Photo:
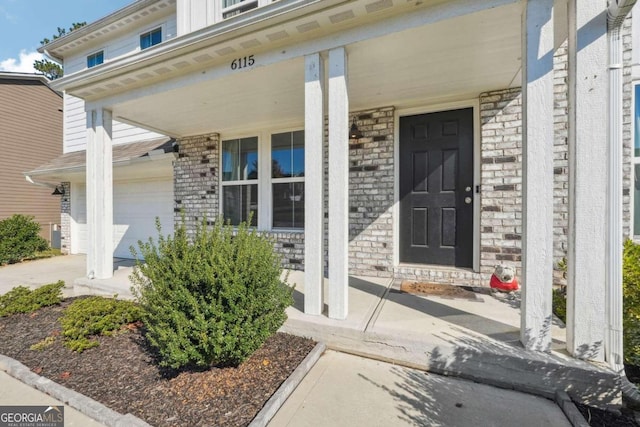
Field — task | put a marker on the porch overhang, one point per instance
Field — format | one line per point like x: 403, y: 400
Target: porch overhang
x: 408, y: 54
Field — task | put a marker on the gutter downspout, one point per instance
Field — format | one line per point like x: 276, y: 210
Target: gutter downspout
x: 616, y: 14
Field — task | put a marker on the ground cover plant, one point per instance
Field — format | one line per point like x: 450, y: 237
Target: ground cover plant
x: 24, y: 300
x: 122, y: 372
x: 20, y: 239
x: 210, y: 298
x: 87, y: 318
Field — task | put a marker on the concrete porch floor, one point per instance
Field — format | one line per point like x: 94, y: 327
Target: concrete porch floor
x: 473, y: 339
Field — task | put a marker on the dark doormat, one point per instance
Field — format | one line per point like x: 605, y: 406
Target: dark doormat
x: 438, y: 290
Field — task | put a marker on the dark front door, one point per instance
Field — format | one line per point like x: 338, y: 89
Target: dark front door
x: 436, y: 188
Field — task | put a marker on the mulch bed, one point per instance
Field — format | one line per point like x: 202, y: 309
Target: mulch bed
x: 437, y: 290
x: 601, y: 418
x: 120, y: 373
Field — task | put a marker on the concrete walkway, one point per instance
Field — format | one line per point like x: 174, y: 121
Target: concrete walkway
x: 475, y: 339
x: 346, y: 390
x: 42, y: 272
x: 14, y: 392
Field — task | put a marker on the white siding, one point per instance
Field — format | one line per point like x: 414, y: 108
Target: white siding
x: 121, y: 45
x: 75, y: 128
x: 195, y: 14
x: 75, y: 118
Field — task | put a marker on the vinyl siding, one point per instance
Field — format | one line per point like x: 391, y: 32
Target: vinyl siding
x: 75, y: 119
x: 30, y: 135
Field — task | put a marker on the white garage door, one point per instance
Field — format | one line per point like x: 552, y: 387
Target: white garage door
x: 136, y: 204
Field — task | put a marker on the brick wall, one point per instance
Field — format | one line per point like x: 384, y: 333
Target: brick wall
x: 65, y: 219
x: 501, y: 179
x: 627, y: 126
x: 371, y: 182
x: 560, y: 162
x: 196, y: 175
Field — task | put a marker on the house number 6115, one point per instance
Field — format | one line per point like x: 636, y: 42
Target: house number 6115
x: 245, y: 61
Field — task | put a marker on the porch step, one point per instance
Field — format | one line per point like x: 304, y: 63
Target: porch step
x: 475, y: 357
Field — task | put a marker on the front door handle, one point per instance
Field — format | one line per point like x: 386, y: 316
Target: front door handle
x: 467, y: 200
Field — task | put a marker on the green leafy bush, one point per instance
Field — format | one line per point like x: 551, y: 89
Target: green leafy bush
x: 559, y: 304
x: 85, y: 318
x: 24, y: 300
x: 631, y: 302
x: 211, y: 299
x: 20, y: 239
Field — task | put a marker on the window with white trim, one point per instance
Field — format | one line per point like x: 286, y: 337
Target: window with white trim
x: 235, y: 7
x: 280, y: 182
x: 240, y: 180
x: 95, y: 59
x: 151, y: 38
x: 287, y: 179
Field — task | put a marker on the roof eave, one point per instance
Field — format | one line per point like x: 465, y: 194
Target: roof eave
x: 222, y: 31
x: 89, y: 28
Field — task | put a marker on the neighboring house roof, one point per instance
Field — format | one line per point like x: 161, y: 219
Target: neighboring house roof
x: 24, y: 76
x: 122, y: 153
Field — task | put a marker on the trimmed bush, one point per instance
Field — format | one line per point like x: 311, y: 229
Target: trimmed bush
x: 24, y: 300
x: 631, y: 302
x: 211, y: 299
x: 559, y: 304
x: 88, y: 317
x: 20, y: 239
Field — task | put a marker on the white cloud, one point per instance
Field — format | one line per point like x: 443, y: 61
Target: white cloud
x: 24, y: 63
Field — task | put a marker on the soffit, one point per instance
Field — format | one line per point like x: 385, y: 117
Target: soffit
x: 450, y: 60
x: 107, y: 28
x: 267, y: 28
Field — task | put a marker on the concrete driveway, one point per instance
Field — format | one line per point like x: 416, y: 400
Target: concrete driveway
x: 43, y: 271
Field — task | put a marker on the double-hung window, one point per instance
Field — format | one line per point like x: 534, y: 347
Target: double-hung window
x: 151, y: 38
x: 240, y: 180
x: 287, y: 179
x: 279, y: 198
x: 95, y: 59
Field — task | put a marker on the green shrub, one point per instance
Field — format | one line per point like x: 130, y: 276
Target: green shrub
x: 631, y: 302
x: 559, y: 304
x: 24, y: 300
x: 20, y: 239
x: 213, y: 299
x: 85, y: 318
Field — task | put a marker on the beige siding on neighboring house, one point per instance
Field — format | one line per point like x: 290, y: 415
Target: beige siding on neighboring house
x: 30, y: 135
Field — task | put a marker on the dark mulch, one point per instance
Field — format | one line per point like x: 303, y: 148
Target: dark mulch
x: 601, y: 418
x: 120, y: 373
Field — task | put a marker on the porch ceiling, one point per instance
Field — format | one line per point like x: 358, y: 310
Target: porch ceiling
x: 449, y: 60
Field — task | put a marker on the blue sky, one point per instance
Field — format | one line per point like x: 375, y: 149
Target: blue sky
x: 23, y: 23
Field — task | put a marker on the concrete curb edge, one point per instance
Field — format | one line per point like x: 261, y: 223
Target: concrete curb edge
x: 78, y: 401
x: 570, y: 410
x: 288, y: 386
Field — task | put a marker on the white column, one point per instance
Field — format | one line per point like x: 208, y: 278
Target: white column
x: 586, y: 261
x: 338, y: 185
x: 314, y: 179
x: 99, y: 195
x: 537, y: 170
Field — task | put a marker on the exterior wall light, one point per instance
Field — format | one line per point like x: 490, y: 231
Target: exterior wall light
x: 354, y: 132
